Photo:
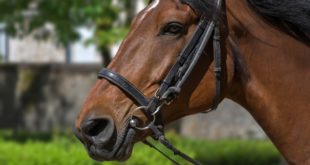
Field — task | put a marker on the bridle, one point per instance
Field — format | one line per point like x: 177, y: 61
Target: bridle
x: 171, y: 86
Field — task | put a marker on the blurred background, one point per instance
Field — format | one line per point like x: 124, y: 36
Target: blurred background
x: 50, y: 53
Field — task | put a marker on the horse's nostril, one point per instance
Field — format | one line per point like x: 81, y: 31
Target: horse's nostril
x: 98, y: 130
x: 96, y: 126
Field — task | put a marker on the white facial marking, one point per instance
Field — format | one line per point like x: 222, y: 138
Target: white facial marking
x: 153, y: 5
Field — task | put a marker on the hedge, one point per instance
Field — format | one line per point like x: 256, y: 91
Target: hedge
x: 64, y: 149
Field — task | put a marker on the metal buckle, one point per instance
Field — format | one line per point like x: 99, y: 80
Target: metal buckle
x: 156, y: 94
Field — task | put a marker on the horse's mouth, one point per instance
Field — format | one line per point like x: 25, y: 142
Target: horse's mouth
x: 120, y: 150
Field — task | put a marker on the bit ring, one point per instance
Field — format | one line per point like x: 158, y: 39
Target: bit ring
x: 133, y: 121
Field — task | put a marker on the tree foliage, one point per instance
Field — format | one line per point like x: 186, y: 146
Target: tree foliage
x: 23, y: 17
x: 60, y: 19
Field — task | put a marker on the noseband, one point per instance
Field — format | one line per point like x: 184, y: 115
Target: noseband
x: 171, y: 86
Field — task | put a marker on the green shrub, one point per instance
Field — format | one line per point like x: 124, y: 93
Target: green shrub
x: 47, y: 149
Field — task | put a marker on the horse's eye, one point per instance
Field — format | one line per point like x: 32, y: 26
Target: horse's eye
x: 172, y: 29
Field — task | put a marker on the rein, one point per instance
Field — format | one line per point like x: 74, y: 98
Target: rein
x: 171, y: 86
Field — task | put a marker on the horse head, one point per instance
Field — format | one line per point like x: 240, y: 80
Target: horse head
x: 158, y: 36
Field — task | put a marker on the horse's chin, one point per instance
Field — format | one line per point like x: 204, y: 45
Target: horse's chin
x: 121, y: 150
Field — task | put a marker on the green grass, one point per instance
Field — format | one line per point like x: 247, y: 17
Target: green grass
x: 56, y: 149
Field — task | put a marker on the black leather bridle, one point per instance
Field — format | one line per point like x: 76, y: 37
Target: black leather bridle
x: 172, y: 84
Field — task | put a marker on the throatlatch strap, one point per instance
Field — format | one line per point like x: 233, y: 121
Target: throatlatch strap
x: 218, y: 66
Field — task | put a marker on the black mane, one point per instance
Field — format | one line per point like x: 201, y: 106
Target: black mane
x: 290, y: 16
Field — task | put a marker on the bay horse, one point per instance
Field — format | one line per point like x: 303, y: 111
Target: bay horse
x: 183, y: 57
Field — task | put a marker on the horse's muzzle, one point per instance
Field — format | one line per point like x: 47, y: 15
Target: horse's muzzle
x: 100, y: 138
x: 97, y: 133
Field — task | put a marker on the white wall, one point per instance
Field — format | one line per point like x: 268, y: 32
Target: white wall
x: 29, y: 50
x: 2, y: 41
x: 82, y: 52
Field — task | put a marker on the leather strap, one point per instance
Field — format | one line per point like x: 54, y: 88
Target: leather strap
x: 124, y: 85
x: 217, y: 55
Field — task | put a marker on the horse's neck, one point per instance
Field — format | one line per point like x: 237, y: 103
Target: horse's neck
x: 272, y: 77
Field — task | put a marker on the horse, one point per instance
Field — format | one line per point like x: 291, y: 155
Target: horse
x: 183, y: 57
